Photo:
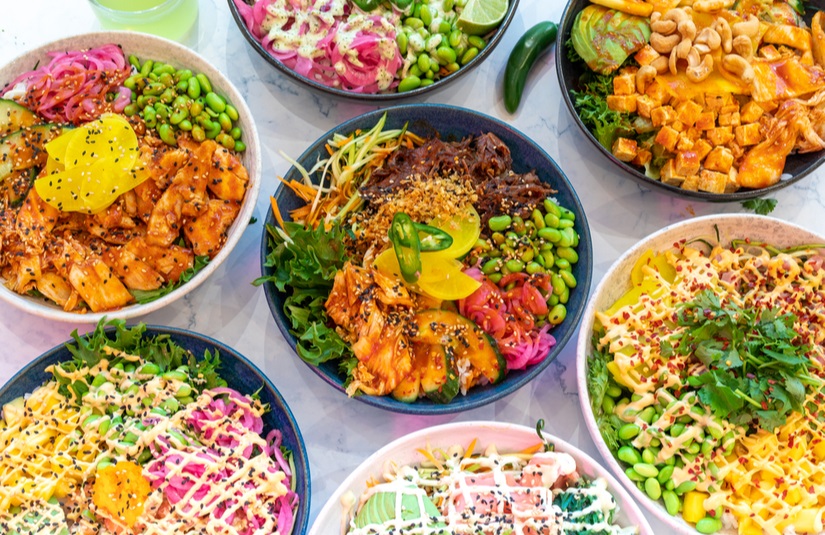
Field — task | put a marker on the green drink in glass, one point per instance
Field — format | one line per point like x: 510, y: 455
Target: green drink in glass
x: 173, y: 19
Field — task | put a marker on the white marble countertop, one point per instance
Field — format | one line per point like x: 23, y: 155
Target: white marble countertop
x: 341, y: 432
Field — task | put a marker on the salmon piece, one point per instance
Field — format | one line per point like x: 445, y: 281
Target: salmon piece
x: 98, y: 286
x: 207, y: 232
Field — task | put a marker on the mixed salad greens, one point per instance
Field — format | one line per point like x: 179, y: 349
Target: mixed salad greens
x: 373, y: 46
x: 119, y: 178
x: 422, y: 267
x: 137, y: 434
x: 460, y: 490
x: 706, y: 378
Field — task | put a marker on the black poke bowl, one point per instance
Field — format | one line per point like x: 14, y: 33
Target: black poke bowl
x: 493, y: 38
x: 239, y: 373
x: 449, y: 123
x: 797, y: 166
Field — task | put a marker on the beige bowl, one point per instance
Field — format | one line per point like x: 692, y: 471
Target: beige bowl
x: 149, y: 47
x: 617, y: 281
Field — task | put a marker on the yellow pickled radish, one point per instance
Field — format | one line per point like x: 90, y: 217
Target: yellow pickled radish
x: 465, y: 228
x: 449, y: 285
x: 90, y: 166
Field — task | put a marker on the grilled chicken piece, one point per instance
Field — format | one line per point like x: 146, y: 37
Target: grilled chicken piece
x: 35, y: 220
x: 763, y: 164
x: 170, y: 261
x: 147, y: 194
x: 98, y: 286
x: 134, y: 272
x: 228, y: 177
x: 373, y: 310
x: 207, y: 232
x: 56, y: 288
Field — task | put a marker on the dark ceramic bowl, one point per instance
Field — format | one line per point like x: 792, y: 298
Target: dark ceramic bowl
x: 373, y: 97
x: 796, y: 167
x: 240, y: 374
x: 450, y: 123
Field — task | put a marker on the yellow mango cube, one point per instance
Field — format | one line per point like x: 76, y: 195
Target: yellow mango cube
x: 694, y: 506
x: 808, y: 520
x: 747, y: 526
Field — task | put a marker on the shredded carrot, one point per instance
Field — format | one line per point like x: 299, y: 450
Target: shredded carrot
x: 431, y: 458
x: 470, y: 449
x: 533, y: 449
x: 276, y: 211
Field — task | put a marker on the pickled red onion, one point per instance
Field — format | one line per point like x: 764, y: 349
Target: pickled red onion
x: 72, y: 87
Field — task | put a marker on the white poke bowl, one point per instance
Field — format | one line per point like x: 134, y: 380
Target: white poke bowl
x: 147, y: 46
x: 506, y: 437
x: 617, y: 281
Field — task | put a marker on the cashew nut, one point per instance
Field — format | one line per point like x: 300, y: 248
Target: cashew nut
x: 701, y: 48
x: 739, y: 67
x: 644, y: 76
x: 683, y: 48
x: 701, y: 70
x: 723, y: 29
x: 661, y: 64
x: 673, y: 63
x: 664, y: 27
x: 655, y: 16
x: 749, y: 27
x: 708, y: 6
x: 687, y: 29
x: 664, y: 44
x: 743, y: 46
x: 709, y: 37
x: 676, y: 15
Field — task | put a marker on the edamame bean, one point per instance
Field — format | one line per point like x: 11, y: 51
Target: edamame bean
x: 665, y: 474
x: 495, y: 277
x: 567, y: 237
x: 567, y: 253
x: 648, y: 456
x: 613, y: 391
x: 134, y: 61
x: 414, y: 22
x: 205, y: 84
x: 184, y: 391
x: 444, y: 27
x: 570, y: 281
x: 401, y: 40
x: 226, y: 140
x: 469, y: 55
x: 184, y: 75
x: 561, y: 263
x: 212, y: 133
x: 198, y: 134
x: 491, y: 266
x: 629, y: 431
x: 225, y: 122
x: 608, y: 405
x: 557, y: 314
x: 409, y: 83
x: 633, y: 475
x: 178, y: 115
x: 235, y: 132
x: 685, y: 486
x: 423, y: 62
x: 446, y: 54
x: 162, y: 68
x: 162, y: 111
x: 499, y: 223
x: 629, y: 455
x: 515, y: 265
x: 652, y: 488
x: 426, y: 15
x: 167, y: 134
x: 150, y: 368
x: 476, y: 41
x: 708, y: 524
x: 550, y: 234
x: 216, y: 102
x: 232, y: 112
x: 566, y: 223
x: 646, y: 470
x: 166, y: 79
x: 185, y: 125
x: 149, y: 116
x: 558, y: 284
x: 548, y: 259
x: 193, y: 88
x: 672, y: 503
x: 146, y: 68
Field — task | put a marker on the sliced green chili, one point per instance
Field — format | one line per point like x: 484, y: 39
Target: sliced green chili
x: 407, y: 245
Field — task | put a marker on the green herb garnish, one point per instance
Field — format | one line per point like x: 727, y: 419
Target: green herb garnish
x: 760, y: 206
x: 147, y: 296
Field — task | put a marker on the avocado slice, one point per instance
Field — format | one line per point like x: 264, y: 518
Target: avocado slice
x: 380, y: 508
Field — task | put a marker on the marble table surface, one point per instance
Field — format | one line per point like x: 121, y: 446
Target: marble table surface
x: 341, y: 432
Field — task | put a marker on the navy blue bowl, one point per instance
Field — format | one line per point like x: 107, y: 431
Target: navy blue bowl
x: 240, y: 374
x: 377, y: 98
x: 451, y: 123
x: 797, y: 166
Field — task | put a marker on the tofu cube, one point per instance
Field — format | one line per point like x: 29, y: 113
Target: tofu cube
x: 702, y: 148
x: 662, y: 115
x: 668, y: 174
x: 678, y: 125
x: 729, y: 119
x: 693, y: 134
x: 667, y: 137
x: 731, y: 107
x: 685, y: 142
x: 712, y: 182
x: 720, y: 135
x: 747, y: 134
x: 688, y: 112
x: 751, y: 112
x: 686, y: 163
x: 622, y: 103
x: 715, y: 102
x: 625, y: 149
x: 691, y: 183
x: 645, y: 104
x: 624, y: 84
x: 720, y: 159
x: 658, y: 91
x: 706, y: 120
x: 642, y: 158
x: 646, y: 55
x: 733, y: 181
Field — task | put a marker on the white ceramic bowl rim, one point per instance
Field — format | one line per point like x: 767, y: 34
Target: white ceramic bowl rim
x: 456, y: 432
x: 744, y: 221
x: 174, y: 53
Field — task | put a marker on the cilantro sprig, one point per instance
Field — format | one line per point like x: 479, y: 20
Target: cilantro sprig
x: 757, y: 367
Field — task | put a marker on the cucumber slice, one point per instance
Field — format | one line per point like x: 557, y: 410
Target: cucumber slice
x: 439, y: 378
x: 26, y: 148
x: 14, y: 117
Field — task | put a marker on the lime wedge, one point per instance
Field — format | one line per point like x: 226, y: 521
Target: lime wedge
x: 481, y: 16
